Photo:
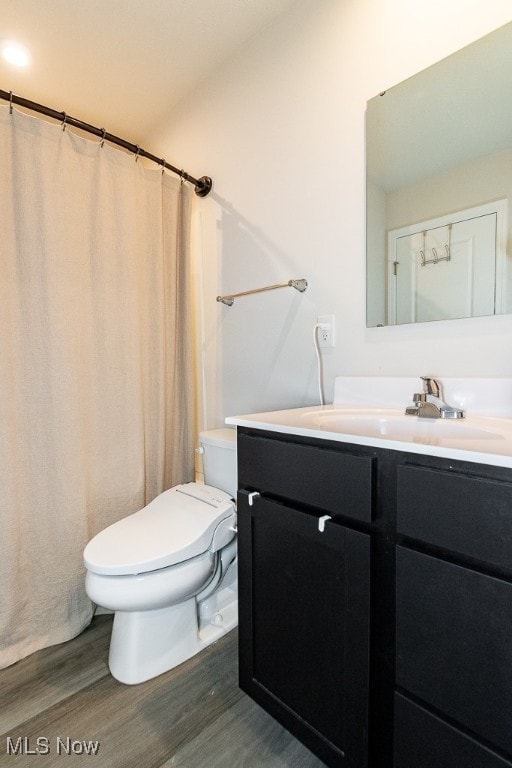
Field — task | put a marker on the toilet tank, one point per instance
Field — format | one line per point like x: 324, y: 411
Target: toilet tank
x: 218, y: 448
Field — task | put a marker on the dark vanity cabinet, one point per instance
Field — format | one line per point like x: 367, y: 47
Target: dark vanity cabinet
x: 375, y: 601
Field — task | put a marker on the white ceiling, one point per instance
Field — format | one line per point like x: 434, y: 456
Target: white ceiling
x: 123, y: 65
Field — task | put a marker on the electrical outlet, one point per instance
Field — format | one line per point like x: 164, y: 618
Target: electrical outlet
x: 326, y: 331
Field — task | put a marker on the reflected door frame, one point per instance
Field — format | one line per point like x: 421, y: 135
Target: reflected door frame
x: 497, y: 207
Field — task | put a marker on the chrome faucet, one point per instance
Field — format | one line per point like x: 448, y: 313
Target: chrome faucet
x: 429, y: 404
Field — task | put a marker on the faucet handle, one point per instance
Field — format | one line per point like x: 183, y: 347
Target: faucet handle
x: 431, y: 386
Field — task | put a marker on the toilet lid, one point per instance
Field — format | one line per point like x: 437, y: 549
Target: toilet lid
x: 176, y: 526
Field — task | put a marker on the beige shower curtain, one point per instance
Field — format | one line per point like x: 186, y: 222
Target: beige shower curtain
x: 96, y: 379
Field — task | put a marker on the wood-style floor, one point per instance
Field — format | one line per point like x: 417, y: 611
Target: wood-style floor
x: 192, y: 717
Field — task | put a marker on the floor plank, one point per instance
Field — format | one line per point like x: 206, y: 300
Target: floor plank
x: 43, y: 679
x: 194, y: 716
x: 246, y: 736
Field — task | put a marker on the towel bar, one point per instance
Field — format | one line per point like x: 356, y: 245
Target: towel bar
x: 299, y: 285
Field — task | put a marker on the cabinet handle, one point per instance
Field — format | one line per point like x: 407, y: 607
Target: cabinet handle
x: 252, y: 496
x: 322, y: 521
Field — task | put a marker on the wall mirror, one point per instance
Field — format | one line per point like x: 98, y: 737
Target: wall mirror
x: 438, y: 189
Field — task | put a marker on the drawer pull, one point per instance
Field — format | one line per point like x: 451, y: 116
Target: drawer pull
x: 252, y: 496
x: 322, y: 521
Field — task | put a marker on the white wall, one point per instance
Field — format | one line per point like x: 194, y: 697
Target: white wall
x: 487, y: 179
x: 281, y: 130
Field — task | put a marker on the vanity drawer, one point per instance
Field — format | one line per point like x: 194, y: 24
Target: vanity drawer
x: 423, y: 740
x: 336, y: 482
x: 453, y: 643
x: 468, y: 515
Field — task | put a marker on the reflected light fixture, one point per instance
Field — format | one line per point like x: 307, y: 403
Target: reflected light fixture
x: 15, y: 53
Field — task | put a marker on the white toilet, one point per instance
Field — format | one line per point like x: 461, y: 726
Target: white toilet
x: 169, y: 571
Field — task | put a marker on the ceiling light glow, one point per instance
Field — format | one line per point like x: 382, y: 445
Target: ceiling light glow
x: 15, y: 54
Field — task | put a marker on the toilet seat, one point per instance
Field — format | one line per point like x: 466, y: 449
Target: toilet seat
x: 177, y: 525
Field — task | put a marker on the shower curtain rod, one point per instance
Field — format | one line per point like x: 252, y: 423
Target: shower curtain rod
x: 202, y: 185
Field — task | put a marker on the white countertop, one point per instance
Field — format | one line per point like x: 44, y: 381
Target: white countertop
x: 495, y: 449
x: 479, y: 438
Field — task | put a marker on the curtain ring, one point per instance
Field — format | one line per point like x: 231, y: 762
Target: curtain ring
x: 10, y: 102
x: 137, y: 154
x: 163, y: 165
x: 102, y: 137
x: 64, y: 119
x: 183, y: 176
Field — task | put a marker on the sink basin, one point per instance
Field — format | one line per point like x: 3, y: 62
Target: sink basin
x: 394, y: 425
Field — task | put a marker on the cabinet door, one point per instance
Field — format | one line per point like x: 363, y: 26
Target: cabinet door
x: 304, y: 626
x: 454, y: 644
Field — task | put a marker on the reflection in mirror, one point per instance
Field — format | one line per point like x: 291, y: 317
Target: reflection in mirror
x: 438, y: 189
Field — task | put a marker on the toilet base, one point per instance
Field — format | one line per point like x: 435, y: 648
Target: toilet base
x: 145, y: 644
x: 218, y: 614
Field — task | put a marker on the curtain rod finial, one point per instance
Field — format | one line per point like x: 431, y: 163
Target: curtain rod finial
x: 204, y: 186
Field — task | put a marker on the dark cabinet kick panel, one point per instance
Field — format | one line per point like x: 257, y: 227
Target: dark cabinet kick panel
x: 375, y: 610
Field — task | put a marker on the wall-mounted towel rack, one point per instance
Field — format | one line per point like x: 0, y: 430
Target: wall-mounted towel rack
x: 435, y: 256
x: 299, y: 285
